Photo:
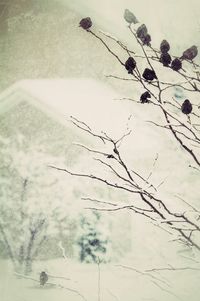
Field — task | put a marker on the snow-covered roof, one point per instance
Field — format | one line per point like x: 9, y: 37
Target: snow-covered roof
x: 85, y: 99
x: 92, y: 102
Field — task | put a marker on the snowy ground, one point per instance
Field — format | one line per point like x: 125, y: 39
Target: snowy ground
x: 116, y: 283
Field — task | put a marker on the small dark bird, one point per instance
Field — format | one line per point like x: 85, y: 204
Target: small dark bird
x: 141, y: 32
x: 165, y: 59
x: 190, y: 53
x: 130, y: 17
x: 43, y: 278
x: 85, y: 23
x: 144, y: 98
x: 176, y: 64
x: 164, y: 46
x: 146, y: 40
x: 149, y: 74
x: 186, y: 107
x: 130, y: 65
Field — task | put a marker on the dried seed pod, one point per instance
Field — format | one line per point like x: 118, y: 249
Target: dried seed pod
x: 141, y: 32
x: 149, y: 74
x: 165, y: 59
x: 130, y: 17
x: 144, y: 98
x: 164, y: 46
x: 85, y: 23
x: 176, y: 64
x: 190, y: 53
x: 146, y: 40
x: 130, y: 65
x: 186, y: 107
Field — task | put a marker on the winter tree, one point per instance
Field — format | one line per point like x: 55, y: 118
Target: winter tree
x: 93, y: 238
x: 156, y: 72
x: 166, y: 90
x: 33, y: 208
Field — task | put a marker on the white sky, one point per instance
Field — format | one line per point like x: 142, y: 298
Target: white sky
x: 176, y: 20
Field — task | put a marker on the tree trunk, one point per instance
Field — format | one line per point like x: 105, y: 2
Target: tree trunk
x: 8, y: 246
x: 28, y: 259
x: 28, y: 266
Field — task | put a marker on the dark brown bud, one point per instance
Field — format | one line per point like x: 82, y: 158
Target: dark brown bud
x: 130, y: 65
x: 165, y: 59
x: 190, y: 53
x: 144, y: 98
x: 176, y: 64
x: 141, y: 31
x: 85, y: 23
x: 164, y: 46
x: 186, y: 107
x: 146, y: 40
x: 149, y: 74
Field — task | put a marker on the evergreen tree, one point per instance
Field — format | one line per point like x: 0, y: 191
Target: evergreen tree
x: 93, y: 241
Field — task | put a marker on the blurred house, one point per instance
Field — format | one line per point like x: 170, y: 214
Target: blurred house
x: 42, y: 39
x: 39, y: 111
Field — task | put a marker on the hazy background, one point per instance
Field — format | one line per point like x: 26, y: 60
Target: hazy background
x: 41, y: 39
x: 58, y: 69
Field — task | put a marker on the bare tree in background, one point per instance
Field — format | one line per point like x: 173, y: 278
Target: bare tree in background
x: 30, y: 204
